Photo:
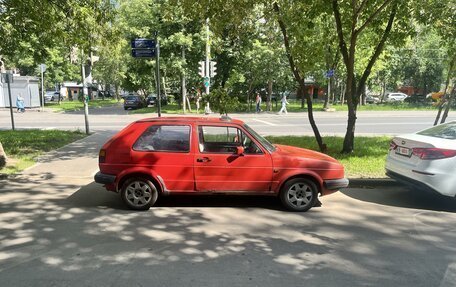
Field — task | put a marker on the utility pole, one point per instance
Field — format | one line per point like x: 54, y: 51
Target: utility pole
x: 42, y: 70
x: 183, y: 85
x: 85, y: 95
x: 208, y: 54
x: 157, y: 63
x: 9, y: 77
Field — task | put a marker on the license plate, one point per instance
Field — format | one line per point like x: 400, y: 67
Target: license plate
x: 403, y: 151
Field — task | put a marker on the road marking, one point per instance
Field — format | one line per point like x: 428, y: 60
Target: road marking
x: 264, y: 122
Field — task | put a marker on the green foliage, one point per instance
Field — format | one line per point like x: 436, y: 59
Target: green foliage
x: 221, y: 101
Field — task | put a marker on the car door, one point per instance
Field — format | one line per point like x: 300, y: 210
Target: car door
x: 218, y: 168
x: 164, y: 149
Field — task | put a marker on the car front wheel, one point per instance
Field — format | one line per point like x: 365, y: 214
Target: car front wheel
x: 299, y: 194
x: 139, y: 193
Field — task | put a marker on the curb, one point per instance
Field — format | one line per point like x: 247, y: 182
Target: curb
x: 373, y: 182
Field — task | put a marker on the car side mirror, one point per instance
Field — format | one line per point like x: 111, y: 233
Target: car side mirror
x: 239, y: 150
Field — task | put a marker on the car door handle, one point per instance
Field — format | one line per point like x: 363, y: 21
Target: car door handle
x: 204, y: 159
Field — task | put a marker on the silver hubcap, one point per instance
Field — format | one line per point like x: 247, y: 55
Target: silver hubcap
x: 299, y: 195
x: 139, y: 193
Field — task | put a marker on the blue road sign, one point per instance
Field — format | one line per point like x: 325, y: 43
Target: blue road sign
x: 143, y: 53
x: 330, y: 73
x: 142, y: 44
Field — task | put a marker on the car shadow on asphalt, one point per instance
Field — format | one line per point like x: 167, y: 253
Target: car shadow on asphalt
x: 403, y: 196
x: 94, y: 195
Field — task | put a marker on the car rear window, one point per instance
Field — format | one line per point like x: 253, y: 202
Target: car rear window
x: 445, y: 131
x: 168, y: 138
x: 132, y: 98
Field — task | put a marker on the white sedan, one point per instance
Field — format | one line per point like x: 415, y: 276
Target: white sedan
x: 426, y: 159
x: 395, y: 97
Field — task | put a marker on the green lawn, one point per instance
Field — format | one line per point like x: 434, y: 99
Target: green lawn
x: 367, y: 161
x: 78, y: 105
x: 23, y: 147
x: 295, y: 106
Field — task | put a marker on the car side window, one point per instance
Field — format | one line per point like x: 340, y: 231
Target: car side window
x: 167, y: 138
x: 214, y: 139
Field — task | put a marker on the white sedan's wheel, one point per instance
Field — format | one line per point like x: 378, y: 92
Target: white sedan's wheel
x: 139, y: 193
x: 299, y: 194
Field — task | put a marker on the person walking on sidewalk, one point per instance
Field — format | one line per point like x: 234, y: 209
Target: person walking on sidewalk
x: 284, y: 105
x: 258, y: 103
x: 20, y: 104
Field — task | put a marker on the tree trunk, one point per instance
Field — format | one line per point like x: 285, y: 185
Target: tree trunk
x: 269, y: 104
x: 3, y: 158
x: 445, y: 96
x: 299, y: 78
x: 447, y: 109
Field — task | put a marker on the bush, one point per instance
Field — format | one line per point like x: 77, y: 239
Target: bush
x: 221, y: 102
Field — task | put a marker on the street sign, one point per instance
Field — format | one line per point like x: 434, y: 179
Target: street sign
x: 142, y: 44
x: 143, y: 53
x: 42, y: 68
x: 143, y: 48
x: 329, y: 73
x: 207, y: 82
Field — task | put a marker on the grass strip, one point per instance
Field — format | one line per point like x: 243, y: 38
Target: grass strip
x: 78, y: 105
x: 23, y: 147
x: 367, y: 160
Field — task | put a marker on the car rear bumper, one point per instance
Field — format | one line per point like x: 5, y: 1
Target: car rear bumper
x: 104, y: 178
x: 335, y: 184
x: 411, y: 182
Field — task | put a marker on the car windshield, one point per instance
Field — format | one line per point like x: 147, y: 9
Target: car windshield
x: 445, y: 131
x: 131, y: 98
x: 264, y: 142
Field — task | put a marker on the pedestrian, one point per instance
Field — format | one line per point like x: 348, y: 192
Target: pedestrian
x: 258, y: 103
x: 284, y: 105
x: 20, y: 104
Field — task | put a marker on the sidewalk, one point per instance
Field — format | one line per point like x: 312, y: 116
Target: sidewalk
x: 74, y: 164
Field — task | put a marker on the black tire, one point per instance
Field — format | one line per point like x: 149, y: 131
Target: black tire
x: 139, y: 193
x: 299, y: 194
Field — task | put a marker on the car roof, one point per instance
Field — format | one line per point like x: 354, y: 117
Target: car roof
x: 205, y: 120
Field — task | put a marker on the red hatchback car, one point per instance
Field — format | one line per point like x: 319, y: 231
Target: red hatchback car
x: 188, y: 155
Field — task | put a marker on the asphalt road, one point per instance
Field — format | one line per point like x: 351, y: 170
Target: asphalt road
x: 329, y: 123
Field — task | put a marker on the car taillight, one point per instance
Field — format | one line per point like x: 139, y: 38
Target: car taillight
x: 433, y: 153
x: 393, y: 145
x: 102, y: 156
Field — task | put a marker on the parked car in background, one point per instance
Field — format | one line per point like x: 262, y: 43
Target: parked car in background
x: 134, y: 102
x: 370, y: 99
x: 395, y: 97
x: 426, y: 159
x: 188, y: 155
x: 51, y: 96
x: 151, y: 100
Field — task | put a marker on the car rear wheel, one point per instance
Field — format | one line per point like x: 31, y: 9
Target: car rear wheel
x: 299, y: 194
x: 139, y: 193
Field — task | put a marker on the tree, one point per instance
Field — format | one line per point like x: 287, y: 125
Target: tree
x: 369, y: 23
x: 440, y: 14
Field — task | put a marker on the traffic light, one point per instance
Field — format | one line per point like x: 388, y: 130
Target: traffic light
x: 213, y: 69
x: 202, y: 69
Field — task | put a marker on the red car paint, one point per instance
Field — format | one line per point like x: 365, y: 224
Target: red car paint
x: 196, y: 171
